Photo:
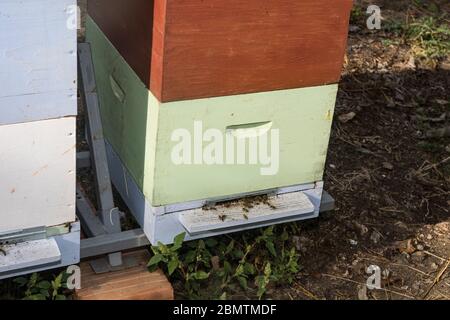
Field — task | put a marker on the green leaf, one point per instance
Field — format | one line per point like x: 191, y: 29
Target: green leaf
x: 239, y: 270
x: 271, y: 247
x: 249, y: 268
x: 21, y: 281
x: 243, y: 282
x: 179, y: 239
x: 238, y: 254
x: 60, y: 297
x: 45, y: 293
x: 268, y: 231
x: 230, y: 247
x: 268, y: 270
x: 57, y: 282
x: 163, y: 249
x: 190, y: 256
x: 172, y: 266
x: 211, y: 242
x: 33, y: 280
x: 45, y: 285
x: 201, y: 275
x: 201, y: 245
x: 155, y: 250
x: 155, y: 260
x: 227, y: 267
x: 261, y: 284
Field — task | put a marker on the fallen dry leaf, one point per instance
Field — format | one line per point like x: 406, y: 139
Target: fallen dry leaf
x: 344, y: 118
x: 406, y: 246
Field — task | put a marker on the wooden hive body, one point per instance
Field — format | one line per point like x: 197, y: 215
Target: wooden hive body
x: 238, y: 70
x: 38, y: 103
x: 140, y: 128
x: 185, y: 50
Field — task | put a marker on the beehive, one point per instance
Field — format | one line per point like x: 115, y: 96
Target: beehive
x: 235, y: 67
x: 38, y: 103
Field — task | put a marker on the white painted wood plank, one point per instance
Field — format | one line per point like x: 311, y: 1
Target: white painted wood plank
x: 37, y: 56
x: 42, y: 106
x: 37, y: 173
x: 29, y: 254
x: 236, y: 214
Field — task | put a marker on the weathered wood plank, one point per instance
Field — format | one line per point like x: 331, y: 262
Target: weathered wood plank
x: 135, y: 283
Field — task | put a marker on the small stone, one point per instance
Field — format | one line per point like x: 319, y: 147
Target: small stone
x: 418, y: 257
x: 434, y: 266
x: 401, y: 225
x: 352, y: 28
x: 375, y: 237
x: 301, y: 243
x: 344, y: 118
x: 411, y: 64
x: 420, y: 247
x: 442, y: 102
x: 406, y: 246
x: 332, y: 166
x: 362, y: 292
x: 362, y: 229
x: 388, y: 166
x: 416, y: 286
x: 353, y: 242
x: 429, y: 237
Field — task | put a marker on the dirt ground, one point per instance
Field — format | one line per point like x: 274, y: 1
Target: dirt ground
x: 391, y: 186
x: 389, y: 176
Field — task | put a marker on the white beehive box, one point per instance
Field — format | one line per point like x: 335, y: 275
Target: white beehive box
x: 38, y: 66
x: 37, y: 174
x: 38, y: 103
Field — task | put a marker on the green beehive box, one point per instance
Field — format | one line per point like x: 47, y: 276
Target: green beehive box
x: 146, y: 134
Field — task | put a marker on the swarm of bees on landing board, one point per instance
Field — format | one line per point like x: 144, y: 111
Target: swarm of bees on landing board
x: 247, y: 203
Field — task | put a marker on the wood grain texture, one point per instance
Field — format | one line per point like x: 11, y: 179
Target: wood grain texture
x: 208, y: 48
x: 135, y: 283
x: 128, y: 25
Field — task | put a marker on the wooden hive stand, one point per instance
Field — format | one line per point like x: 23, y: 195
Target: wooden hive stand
x: 135, y: 283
